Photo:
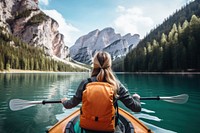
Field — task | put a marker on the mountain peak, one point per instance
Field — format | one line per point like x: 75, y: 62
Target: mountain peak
x: 24, y: 19
x: 104, y: 40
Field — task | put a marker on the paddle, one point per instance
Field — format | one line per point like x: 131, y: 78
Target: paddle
x: 19, y: 104
x: 179, y: 99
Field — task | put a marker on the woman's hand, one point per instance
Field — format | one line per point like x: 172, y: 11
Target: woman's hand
x: 63, y: 99
x: 136, y: 96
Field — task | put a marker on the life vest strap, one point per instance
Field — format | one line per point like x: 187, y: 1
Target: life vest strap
x: 100, y: 119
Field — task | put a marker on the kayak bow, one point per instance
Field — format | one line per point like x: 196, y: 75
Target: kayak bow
x: 131, y: 124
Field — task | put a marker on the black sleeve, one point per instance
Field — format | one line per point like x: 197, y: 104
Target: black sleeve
x: 77, y: 98
x: 128, y: 100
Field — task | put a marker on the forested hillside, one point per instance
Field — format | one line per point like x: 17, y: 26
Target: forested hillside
x: 16, y: 54
x: 179, y: 50
x: 178, y: 17
x: 169, y: 49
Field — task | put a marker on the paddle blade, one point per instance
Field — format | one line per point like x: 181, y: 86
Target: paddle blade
x: 179, y: 99
x: 19, y: 104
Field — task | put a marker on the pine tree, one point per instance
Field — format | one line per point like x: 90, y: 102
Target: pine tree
x: 8, y: 67
x: 1, y: 64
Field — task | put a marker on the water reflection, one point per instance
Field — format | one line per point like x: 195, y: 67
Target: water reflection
x: 34, y: 87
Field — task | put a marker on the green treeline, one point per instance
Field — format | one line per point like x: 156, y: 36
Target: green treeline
x: 15, y: 54
x: 185, y: 13
x: 178, y: 50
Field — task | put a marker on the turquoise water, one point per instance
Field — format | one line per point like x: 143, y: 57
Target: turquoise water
x: 173, y: 117
x: 160, y: 116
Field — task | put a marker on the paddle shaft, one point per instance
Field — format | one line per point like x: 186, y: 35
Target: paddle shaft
x: 150, y: 98
x: 45, y: 102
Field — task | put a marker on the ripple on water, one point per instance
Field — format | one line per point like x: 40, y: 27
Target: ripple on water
x: 147, y: 111
x: 147, y: 116
x: 67, y: 112
x: 156, y: 129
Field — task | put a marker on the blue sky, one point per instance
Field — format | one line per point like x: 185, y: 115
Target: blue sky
x: 79, y: 17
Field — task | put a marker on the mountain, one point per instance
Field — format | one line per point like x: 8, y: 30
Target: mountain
x: 106, y: 40
x: 24, y: 19
x: 30, y: 40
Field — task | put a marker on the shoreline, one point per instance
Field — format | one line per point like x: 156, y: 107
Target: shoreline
x: 178, y: 73
x: 33, y: 71
x: 36, y: 71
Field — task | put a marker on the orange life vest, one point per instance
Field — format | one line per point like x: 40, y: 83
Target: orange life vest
x: 97, y: 111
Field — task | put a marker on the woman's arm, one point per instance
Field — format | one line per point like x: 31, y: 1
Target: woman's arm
x: 131, y: 102
x: 77, y: 98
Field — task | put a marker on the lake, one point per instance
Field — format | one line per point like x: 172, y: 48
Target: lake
x: 160, y: 116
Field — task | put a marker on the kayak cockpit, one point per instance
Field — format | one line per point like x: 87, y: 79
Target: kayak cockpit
x: 124, y: 124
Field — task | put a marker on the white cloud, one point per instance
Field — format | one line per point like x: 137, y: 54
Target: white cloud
x: 67, y: 29
x: 120, y: 9
x: 188, y: 1
x: 143, y: 18
x: 132, y: 20
x: 44, y: 2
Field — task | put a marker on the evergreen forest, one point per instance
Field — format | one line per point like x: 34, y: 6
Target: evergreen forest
x: 179, y: 50
x: 16, y: 54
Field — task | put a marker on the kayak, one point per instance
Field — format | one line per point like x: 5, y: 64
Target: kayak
x: 129, y: 124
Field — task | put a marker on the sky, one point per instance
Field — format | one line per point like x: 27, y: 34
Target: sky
x: 79, y: 17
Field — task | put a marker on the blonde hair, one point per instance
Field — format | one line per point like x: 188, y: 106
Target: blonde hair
x: 102, y: 70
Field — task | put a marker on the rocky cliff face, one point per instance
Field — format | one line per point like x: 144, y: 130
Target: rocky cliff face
x: 24, y: 19
x: 105, y: 40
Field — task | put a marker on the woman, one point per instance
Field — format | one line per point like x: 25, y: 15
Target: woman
x: 102, y: 73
